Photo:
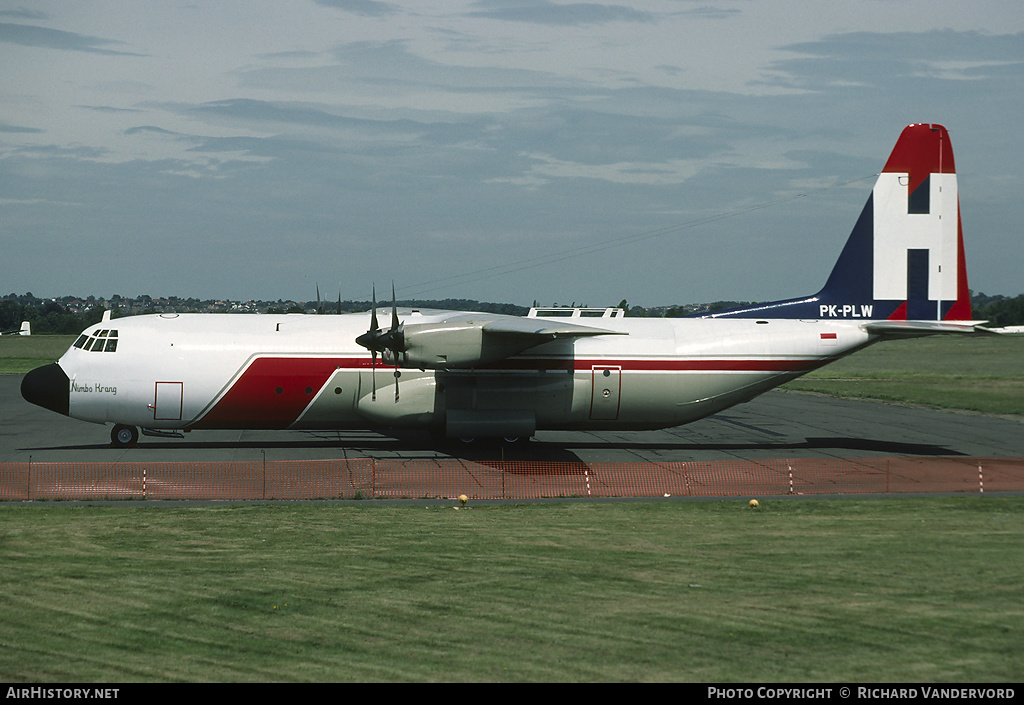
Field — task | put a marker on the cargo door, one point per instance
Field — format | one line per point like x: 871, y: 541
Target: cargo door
x: 167, y: 404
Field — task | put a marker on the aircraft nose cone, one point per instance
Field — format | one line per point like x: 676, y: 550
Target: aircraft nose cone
x: 48, y: 387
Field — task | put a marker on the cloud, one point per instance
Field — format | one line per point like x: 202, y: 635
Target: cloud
x: 389, y: 70
x: 109, y: 109
x: 367, y: 8
x: 548, y: 13
x: 43, y: 37
x: 23, y: 13
x: 19, y: 129
x: 879, y: 59
x: 150, y: 129
x: 672, y: 171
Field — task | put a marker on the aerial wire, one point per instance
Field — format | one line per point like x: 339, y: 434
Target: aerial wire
x: 562, y: 255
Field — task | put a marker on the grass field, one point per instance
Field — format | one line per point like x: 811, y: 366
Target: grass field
x: 857, y: 590
x: 984, y: 374
x: 19, y: 354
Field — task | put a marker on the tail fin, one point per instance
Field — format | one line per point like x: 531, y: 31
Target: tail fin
x: 904, y: 260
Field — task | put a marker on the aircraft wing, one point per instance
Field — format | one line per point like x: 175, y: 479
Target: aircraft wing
x: 472, y: 339
x: 541, y: 330
x: 909, y: 329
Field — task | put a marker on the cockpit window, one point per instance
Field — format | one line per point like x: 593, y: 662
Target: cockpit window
x: 99, y: 341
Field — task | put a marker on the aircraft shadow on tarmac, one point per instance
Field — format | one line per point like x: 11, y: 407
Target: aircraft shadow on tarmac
x: 419, y: 446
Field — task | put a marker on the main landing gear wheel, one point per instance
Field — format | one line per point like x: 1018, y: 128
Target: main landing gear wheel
x: 122, y: 436
x: 491, y: 440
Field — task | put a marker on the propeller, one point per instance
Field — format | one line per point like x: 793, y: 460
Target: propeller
x: 376, y: 341
x: 368, y: 340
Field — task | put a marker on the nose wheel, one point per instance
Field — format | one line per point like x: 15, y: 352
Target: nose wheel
x: 122, y: 436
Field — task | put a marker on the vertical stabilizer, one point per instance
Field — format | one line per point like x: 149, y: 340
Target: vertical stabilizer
x: 904, y: 259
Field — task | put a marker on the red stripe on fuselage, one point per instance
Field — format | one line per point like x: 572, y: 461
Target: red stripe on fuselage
x: 701, y: 365
x: 273, y: 392
x: 665, y: 365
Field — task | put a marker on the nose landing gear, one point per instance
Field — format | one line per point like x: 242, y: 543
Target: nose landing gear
x: 122, y: 436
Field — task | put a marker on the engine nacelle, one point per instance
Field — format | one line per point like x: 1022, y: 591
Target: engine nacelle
x: 452, y: 345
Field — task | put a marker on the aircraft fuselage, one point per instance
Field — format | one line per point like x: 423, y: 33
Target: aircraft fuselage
x: 198, y: 371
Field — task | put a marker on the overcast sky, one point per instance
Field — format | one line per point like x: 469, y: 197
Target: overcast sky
x: 496, y: 150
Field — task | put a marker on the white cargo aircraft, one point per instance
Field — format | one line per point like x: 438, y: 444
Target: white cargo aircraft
x: 462, y: 374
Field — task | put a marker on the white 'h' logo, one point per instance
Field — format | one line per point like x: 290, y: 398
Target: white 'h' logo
x: 896, y: 231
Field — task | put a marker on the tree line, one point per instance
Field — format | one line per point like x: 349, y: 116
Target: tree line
x: 45, y: 316
x: 999, y: 311
x: 50, y: 317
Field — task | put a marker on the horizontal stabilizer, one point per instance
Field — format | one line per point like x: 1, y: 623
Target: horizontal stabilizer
x: 917, y: 328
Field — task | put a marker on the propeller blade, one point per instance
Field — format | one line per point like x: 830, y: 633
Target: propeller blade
x: 369, y: 339
x: 374, y: 325
x: 394, y: 309
x: 391, y: 342
x: 374, y: 341
x: 395, y: 337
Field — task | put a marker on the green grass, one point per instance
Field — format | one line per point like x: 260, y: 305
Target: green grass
x: 19, y: 354
x: 984, y: 374
x: 903, y: 589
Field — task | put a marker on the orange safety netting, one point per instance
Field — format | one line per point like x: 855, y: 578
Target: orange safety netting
x: 376, y: 479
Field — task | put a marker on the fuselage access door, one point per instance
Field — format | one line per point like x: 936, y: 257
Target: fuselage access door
x: 605, y: 392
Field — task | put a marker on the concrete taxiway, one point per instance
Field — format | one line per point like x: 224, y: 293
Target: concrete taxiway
x: 775, y: 425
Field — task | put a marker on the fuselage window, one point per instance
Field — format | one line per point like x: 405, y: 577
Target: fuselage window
x: 81, y: 340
